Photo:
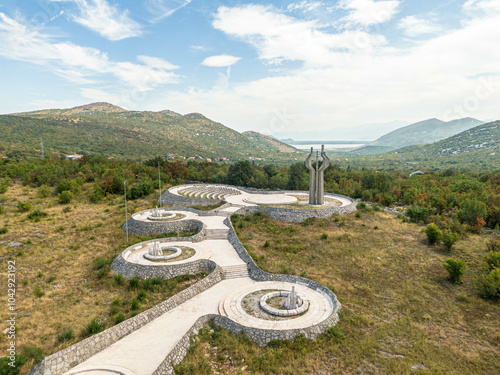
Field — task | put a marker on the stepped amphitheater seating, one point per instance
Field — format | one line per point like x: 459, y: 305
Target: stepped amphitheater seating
x: 208, y: 192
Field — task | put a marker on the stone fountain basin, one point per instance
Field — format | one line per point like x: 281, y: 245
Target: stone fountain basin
x: 177, y: 253
x: 303, y: 304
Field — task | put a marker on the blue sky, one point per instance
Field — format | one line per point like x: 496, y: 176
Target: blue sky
x: 274, y: 67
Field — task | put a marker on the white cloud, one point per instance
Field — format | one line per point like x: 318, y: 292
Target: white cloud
x: 80, y: 64
x: 220, y: 61
x: 161, y: 9
x: 413, y: 26
x: 278, y: 36
x: 433, y: 78
x: 306, y: 6
x: 105, y: 19
x: 368, y: 12
x: 482, y: 5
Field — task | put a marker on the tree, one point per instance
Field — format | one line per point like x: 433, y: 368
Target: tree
x: 299, y: 177
x: 240, y: 173
x: 470, y: 210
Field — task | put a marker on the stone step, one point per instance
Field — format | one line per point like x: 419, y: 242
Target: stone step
x: 217, y: 234
x: 235, y: 272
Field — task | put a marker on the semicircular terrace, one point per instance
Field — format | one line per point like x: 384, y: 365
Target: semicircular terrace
x: 162, y: 332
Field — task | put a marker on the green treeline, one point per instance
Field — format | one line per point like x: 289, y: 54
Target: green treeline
x: 470, y: 200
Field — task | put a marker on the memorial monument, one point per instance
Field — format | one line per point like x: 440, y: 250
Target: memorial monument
x: 317, y: 179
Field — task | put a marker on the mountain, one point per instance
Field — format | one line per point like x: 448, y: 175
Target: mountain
x: 364, y: 132
x: 106, y: 130
x: 480, y: 141
x: 270, y: 141
x: 423, y: 132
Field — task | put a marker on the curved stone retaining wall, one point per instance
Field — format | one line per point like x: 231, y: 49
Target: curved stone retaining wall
x: 70, y: 357
x: 158, y: 227
x: 165, y: 270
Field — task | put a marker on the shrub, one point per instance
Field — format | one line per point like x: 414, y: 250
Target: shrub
x: 103, y: 272
x: 334, y: 333
x: 133, y: 283
x: 94, y: 327
x: 470, y: 211
x: 23, y: 207
x: 119, y: 318
x: 267, y: 243
x: 2, y: 209
x: 134, y: 305
x: 455, y: 268
x: 100, y: 263
x: 433, y: 233
x: 3, y: 230
x: 66, y: 209
x: 65, y: 197
x: 489, y: 284
x: 361, y: 206
x: 37, y: 291
x: 65, y: 336
x: 449, y: 238
x: 493, y: 244
x: 419, y: 213
x: 3, y: 188
x: 324, y: 236
x: 7, y: 369
x: 44, y: 191
x: 32, y: 352
x: 141, y: 295
x: 118, y: 279
x: 492, y: 260
x: 36, y: 214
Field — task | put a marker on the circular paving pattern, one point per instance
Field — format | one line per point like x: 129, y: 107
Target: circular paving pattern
x: 320, y: 307
x: 190, y: 253
x: 270, y: 199
x: 280, y: 296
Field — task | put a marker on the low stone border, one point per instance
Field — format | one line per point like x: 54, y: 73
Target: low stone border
x: 164, y: 216
x: 150, y: 228
x: 177, y: 252
x: 70, y: 357
x: 302, y: 302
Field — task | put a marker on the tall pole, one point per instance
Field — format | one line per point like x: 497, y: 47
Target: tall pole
x: 159, y: 182
x: 126, y: 216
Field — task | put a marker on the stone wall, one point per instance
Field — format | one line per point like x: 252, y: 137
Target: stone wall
x: 165, y: 270
x: 70, y: 357
x: 180, y: 350
x: 161, y: 227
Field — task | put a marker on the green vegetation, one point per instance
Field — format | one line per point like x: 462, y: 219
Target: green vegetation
x: 455, y: 268
x: 398, y: 309
x: 101, y: 129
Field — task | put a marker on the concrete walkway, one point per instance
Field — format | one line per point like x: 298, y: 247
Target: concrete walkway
x: 142, y: 351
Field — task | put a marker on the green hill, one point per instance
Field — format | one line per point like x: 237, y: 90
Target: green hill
x: 106, y: 130
x: 423, y: 132
x: 474, y: 149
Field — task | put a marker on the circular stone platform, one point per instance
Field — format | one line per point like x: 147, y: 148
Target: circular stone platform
x: 135, y: 254
x: 320, y: 307
x: 270, y: 199
x: 177, y: 253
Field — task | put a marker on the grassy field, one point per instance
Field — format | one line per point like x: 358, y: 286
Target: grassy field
x: 400, y: 314
x: 63, y: 277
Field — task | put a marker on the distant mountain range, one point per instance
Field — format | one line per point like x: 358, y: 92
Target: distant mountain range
x: 423, y: 132
x: 479, y: 142
x: 103, y: 129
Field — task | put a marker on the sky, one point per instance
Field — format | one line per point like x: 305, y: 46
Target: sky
x: 277, y: 67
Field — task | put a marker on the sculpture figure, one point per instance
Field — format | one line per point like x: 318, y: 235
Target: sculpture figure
x: 317, y: 179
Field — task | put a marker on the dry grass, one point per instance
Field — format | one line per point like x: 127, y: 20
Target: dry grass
x: 398, y: 309
x: 57, y: 257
